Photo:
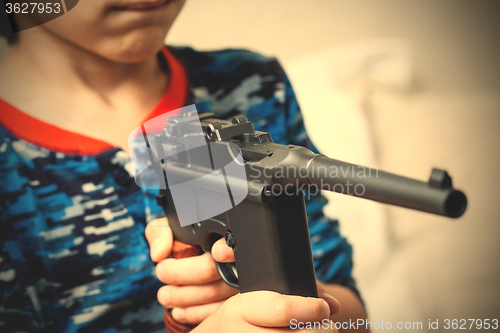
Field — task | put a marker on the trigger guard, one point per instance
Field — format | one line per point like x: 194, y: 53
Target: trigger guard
x: 228, y: 273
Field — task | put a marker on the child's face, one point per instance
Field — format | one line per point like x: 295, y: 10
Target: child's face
x: 125, y: 31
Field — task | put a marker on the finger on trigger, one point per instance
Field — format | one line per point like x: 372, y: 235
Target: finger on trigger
x: 221, y: 252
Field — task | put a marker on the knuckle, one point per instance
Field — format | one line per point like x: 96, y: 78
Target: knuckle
x: 148, y: 232
x: 208, y: 269
x: 159, y: 295
x: 281, y: 307
x: 174, y: 298
x: 159, y: 272
x: 212, y: 292
x: 317, y: 309
x: 232, y: 302
x: 152, y: 228
x: 165, y: 273
x: 231, y: 305
x: 192, y: 316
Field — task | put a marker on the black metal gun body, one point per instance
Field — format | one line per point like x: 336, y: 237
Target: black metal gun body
x: 268, y: 229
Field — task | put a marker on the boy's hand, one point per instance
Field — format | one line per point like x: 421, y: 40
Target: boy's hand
x: 195, y: 289
x: 267, y: 311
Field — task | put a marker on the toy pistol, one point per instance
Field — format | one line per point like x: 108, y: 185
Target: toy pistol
x: 262, y: 214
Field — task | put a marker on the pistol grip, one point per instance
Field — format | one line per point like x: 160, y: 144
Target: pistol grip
x: 180, y: 250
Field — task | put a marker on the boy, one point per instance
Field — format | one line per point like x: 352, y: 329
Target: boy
x: 73, y: 254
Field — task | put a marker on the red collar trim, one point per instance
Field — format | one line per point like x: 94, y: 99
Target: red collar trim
x: 56, y: 139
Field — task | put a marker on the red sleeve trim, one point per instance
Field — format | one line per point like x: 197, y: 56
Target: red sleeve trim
x: 56, y: 139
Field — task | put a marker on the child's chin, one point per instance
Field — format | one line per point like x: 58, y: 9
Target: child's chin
x: 139, y: 51
x: 134, y: 57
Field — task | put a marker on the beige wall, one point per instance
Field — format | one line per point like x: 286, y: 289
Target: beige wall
x: 455, y: 41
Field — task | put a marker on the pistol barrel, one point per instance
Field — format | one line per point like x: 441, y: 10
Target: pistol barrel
x: 436, y: 196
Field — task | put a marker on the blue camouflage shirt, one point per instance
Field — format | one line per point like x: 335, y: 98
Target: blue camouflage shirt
x: 73, y: 257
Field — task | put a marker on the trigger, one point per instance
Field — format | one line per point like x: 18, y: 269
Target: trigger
x: 228, y: 273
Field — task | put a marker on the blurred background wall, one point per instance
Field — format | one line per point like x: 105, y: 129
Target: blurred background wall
x: 404, y: 85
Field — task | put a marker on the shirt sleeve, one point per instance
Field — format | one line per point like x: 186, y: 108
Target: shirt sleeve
x: 332, y: 253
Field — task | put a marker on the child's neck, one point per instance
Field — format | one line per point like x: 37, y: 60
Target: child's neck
x: 70, y: 87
